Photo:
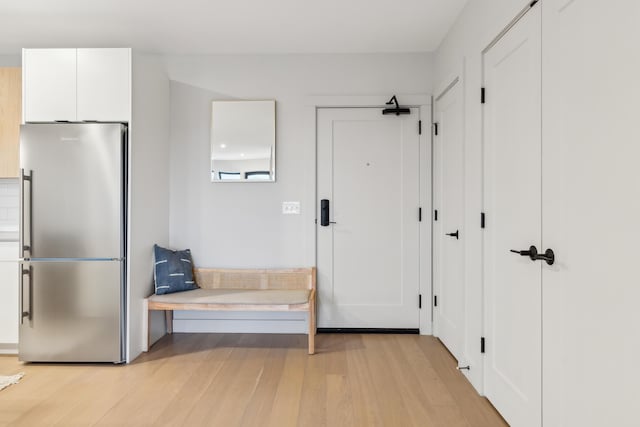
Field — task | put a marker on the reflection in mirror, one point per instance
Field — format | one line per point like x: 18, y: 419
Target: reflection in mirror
x: 243, y: 141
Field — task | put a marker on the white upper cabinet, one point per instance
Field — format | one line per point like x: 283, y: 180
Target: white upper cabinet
x: 104, y: 84
x: 49, y: 84
x: 77, y: 85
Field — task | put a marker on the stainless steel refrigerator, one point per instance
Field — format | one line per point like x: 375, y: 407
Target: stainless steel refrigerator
x: 72, y: 242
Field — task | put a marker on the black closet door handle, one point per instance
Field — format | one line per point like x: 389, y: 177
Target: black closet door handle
x: 532, y: 252
x: 456, y: 234
x: 548, y: 256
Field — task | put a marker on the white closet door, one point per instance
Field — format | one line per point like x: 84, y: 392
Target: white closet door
x: 591, y: 212
x: 512, y: 197
x: 448, y: 268
x: 368, y: 261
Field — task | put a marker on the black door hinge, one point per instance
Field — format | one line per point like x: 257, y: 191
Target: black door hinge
x: 482, y: 345
x: 435, y: 129
x: 482, y: 96
x: 435, y: 300
x: 419, y: 127
x: 420, y: 214
x: 482, y: 220
x: 419, y: 300
x: 435, y: 215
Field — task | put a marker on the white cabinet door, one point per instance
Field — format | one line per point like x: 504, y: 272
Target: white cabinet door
x: 8, y: 294
x: 104, y: 85
x: 512, y: 197
x: 49, y: 85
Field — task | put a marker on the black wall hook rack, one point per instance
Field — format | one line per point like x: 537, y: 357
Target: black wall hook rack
x: 397, y: 110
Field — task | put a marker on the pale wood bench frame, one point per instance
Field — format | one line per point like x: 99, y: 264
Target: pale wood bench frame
x: 208, y: 278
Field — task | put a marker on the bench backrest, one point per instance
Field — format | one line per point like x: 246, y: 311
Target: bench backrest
x: 293, y: 278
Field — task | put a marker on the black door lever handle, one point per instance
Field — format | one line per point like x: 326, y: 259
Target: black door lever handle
x: 548, y: 256
x: 456, y: 235
x: 532, y: 252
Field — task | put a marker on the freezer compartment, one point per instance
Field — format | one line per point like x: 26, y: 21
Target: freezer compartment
x: 72, y: 190
x: 71, y: 311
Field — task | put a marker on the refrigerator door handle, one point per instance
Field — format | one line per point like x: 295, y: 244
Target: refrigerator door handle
x: 23, y: 313
x: 23, y: 177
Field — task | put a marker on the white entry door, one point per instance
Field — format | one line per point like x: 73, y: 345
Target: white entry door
x: 368, y: 256
x: 512, y: 202
x: 448, y: 233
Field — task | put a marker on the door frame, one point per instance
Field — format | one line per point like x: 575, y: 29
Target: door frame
x: 424, y: 103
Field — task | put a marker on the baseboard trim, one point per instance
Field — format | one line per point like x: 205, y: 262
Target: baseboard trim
x: 8, y: 348
x: 412, y: 331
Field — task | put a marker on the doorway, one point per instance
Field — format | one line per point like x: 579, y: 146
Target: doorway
x: 369, y: 252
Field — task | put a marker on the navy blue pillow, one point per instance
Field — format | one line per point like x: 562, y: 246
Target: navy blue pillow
x: 173, y: 271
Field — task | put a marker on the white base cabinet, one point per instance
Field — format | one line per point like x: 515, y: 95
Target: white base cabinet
x: 9, y: 312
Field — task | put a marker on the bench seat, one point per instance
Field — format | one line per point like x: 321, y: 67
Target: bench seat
x: 284, y: 297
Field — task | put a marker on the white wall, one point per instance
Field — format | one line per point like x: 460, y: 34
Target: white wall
x: 460, y: 55
x: 10, y: 61
x: 241, y: 225
x: 148, y: 190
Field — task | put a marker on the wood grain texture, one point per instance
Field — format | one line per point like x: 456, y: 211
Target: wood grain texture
x: 10, y: 118
x: 154, y: 305
x: 254, y: 380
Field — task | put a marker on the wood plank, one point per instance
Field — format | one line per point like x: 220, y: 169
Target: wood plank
x: 140, y: 405
x: 260, y: 406
x: 154, y: 305
x: 189, y: 395
x: 285, y: 410
x: 476, y: 409
x: 254, y: 380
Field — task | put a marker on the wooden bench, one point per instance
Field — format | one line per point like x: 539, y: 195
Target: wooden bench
x: 244, y: 290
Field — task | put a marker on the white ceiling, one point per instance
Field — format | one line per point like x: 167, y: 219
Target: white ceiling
x: 229, y: 26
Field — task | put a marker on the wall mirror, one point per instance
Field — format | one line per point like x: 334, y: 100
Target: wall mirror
x: 243, y: 141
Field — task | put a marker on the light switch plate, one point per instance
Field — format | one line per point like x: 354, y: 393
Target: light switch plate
x: 291, y: 208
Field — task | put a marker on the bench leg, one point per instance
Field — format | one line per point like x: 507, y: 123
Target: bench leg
x: 312, y: 326
x: 148, y: 327
x: 168, y: 315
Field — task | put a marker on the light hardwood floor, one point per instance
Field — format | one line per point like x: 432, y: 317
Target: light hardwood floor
x: 254, y: 380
